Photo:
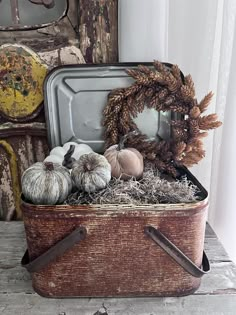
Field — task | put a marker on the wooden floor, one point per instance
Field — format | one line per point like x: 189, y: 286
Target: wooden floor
x: 217, y: 294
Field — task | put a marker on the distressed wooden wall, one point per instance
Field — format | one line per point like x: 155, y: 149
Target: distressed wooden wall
x: 86, y: 33
x: 98, y: 24
x: 23, y: 135
x: 20, y: 146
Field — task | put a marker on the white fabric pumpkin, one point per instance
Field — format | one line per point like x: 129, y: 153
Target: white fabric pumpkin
x: 46, y: 183
x: 54, y: 159
x: 80, y: 149
x: 91, y: 172
x: 58, y: 151
x: 57, y: 154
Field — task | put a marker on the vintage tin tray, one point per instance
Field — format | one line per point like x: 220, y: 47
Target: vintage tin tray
x: 109, y: 250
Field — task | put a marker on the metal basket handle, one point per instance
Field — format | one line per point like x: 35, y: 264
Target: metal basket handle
x: 174, y: 252
x: 54, y: 252
x: 80, y: 233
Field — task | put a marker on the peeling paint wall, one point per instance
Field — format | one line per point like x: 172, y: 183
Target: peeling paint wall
x: 98, y: 25
x: 23, y: 136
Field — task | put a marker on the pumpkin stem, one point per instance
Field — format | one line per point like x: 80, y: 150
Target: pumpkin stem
x: 68, y: 160
x: 123, y: 139
x: 49, y: 166
x: 87, y: 167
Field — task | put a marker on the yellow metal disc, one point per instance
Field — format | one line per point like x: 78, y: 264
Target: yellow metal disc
x: 21, y: 81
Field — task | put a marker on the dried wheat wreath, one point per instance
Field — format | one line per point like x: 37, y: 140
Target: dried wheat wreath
x: 164, y: 88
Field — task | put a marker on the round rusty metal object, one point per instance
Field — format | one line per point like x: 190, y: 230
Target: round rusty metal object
x: 21, y: 82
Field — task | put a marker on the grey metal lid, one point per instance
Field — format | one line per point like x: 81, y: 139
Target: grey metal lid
x: 75, y: 97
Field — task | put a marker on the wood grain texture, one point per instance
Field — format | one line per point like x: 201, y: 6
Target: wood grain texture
x: 198, y: 305
x: 98, y: 30
x: 216, y: 295
x: 62, y: 56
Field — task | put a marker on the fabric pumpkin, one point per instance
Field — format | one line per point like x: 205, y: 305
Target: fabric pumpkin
x: 57, y: 154
x: 80, y: 149
x: 46, y: 183
x: 91, y: 172
x: 125, y: 162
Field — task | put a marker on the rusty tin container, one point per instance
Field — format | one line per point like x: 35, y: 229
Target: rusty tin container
x: 109, y: 250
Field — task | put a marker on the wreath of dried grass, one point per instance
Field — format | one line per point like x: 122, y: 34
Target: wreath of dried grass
x: 163, y: 88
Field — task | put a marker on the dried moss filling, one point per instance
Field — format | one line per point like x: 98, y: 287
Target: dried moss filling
x: 151, y: 189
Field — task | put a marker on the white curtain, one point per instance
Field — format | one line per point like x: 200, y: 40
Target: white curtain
x: 137, y: 21
x: 207, y: 50
x: 199, y: 36
x: 223, y: 188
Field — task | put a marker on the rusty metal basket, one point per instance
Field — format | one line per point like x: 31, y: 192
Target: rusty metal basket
x: 116, y: 250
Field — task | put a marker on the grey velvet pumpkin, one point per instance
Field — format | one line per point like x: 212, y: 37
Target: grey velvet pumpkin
x: 91, y: 172
x: 46, y: 183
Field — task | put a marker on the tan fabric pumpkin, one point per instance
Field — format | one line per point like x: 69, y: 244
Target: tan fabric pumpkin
x: 125, y: 162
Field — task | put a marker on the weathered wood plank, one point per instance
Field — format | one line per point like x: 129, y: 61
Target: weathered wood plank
x: 221, y: 279
x: 62, y: 56
x: 22, y: 304
x: 209, y: 232
x: 98, y: 30
x: 215, y: 250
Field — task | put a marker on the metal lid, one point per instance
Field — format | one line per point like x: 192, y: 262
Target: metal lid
x: 75, y: 97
